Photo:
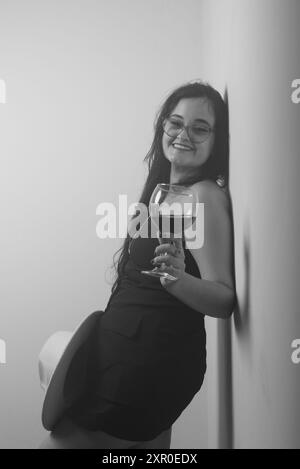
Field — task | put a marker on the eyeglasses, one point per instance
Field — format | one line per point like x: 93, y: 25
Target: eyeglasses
x: 197, y: 133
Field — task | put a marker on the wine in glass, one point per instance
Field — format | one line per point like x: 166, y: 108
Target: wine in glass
x: 172, y: 210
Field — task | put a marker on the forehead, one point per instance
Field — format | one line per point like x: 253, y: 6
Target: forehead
x: 195, y: 108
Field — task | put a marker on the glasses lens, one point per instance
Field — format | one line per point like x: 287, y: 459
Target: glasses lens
x: 172, y: 127
x: 197, y: 133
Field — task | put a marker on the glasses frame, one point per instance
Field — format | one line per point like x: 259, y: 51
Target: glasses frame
x: 187, y: 128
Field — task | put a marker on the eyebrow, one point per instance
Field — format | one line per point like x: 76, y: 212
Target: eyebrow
x: 195, y: 120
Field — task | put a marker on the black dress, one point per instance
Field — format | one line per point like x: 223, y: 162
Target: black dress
x: 148, y: 357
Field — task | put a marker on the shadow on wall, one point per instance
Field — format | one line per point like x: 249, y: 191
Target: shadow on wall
x: 241, y: 315
x: 242, y: 310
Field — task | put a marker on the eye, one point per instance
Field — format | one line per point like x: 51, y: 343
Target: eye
x: 200, y: 130
x: 175, y: 122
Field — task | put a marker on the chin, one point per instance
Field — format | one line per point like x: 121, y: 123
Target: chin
x: 184, y: 161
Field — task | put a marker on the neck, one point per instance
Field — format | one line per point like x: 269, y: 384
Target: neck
x: 178, y: 174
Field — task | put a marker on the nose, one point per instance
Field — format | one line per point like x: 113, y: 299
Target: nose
x: 183, y: 134
x: 184, y: 138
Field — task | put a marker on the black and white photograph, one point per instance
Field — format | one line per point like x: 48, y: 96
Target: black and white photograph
x: 150, y: 219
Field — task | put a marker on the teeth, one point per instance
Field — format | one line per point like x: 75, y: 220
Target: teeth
x: 176, y: 145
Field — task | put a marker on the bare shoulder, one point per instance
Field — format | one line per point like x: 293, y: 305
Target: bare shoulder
x: 215, y: 257
x: 208, y: 191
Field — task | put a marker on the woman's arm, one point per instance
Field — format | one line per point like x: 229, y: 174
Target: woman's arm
x: 213, y: 294
x: 206, y: 296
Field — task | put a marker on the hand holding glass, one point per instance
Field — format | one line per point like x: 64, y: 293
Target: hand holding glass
x: 172, y: 210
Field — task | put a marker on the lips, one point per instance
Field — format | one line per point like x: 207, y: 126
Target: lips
x: 180, y: 146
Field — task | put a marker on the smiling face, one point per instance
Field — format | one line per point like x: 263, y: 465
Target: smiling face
x: 189, y: 111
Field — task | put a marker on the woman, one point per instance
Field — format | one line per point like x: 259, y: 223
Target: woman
x: 149, y: 354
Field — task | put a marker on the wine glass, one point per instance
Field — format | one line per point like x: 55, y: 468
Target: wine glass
x: 172, y: 210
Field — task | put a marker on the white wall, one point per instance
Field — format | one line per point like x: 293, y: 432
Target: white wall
x: 266, y: 383
x: 75, y: 72
x: 256, y: 46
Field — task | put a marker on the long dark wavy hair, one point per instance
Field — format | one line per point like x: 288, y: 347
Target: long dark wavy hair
x: 159, y: 167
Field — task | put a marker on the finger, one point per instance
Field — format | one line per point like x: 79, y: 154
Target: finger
x: 170, y: 270
x: 175, y: 248
x: 167, y: 247
x: 166, y: 281
x: 178, y: 244
x: 165, y: 240
x: 162, y: 259
x: 169, y: 260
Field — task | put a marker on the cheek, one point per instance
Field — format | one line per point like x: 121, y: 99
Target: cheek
x: 203, y: 154
x: 211, y: 145
x: 166, y: 144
